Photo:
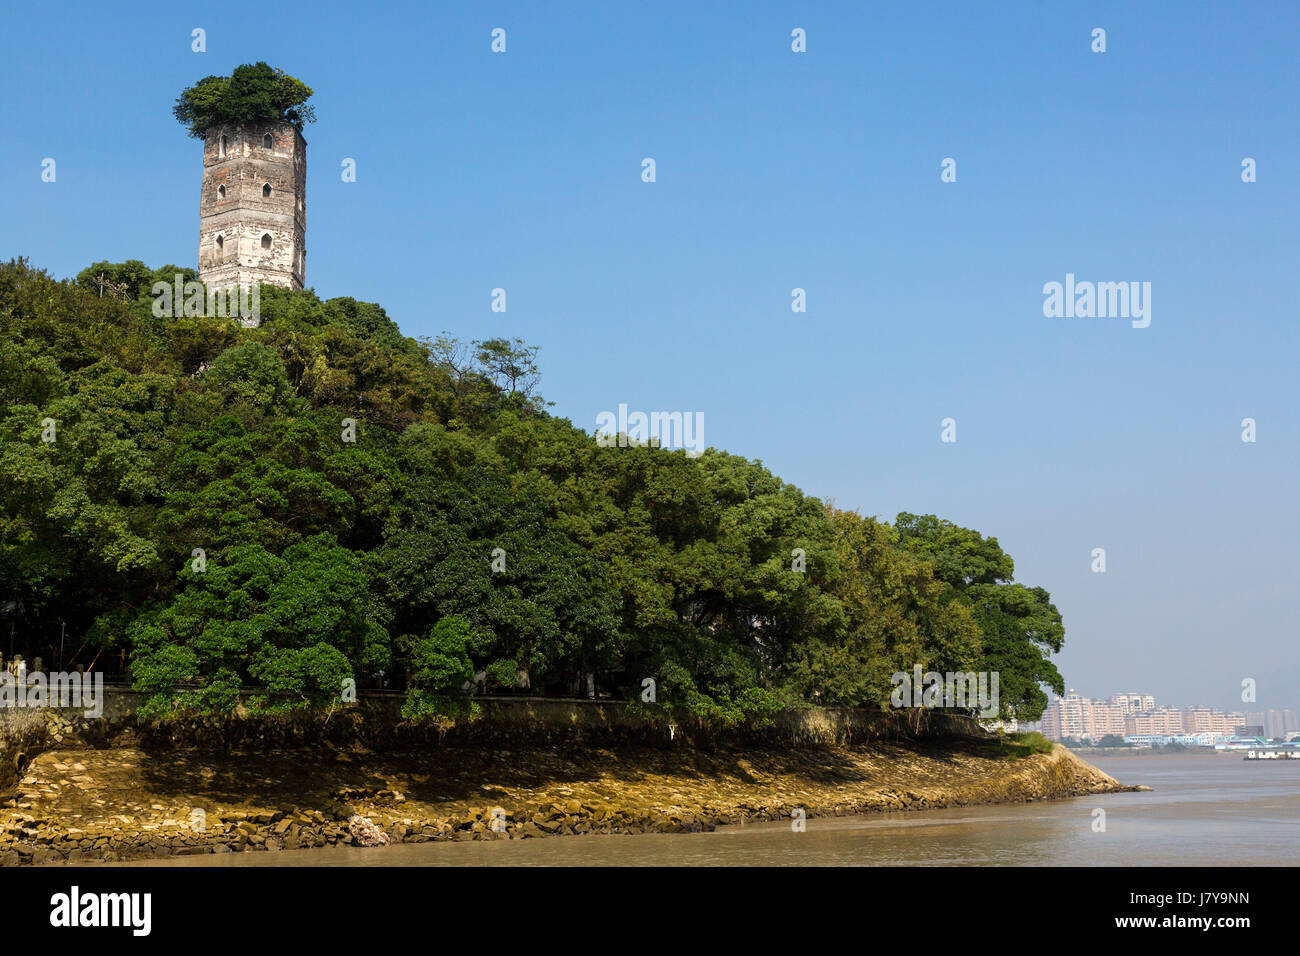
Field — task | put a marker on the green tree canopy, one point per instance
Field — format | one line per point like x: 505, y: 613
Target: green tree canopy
x: 1020, y: 626
x: 259, y: 514
x: 253, y: 93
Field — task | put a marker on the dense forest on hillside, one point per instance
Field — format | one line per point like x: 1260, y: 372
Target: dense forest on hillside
x: 178, y: 498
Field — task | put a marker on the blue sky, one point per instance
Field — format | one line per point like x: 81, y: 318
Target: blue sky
x: 818, y: 170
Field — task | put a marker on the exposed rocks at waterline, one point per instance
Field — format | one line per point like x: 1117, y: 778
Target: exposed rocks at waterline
x: 116, y: 804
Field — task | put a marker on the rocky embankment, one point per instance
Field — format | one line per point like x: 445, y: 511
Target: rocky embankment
x: 86, y: 804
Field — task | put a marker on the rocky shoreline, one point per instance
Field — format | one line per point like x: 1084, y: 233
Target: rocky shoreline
x: 92, y: 805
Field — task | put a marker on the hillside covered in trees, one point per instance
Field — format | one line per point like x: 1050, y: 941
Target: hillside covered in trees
x: 195, y: 510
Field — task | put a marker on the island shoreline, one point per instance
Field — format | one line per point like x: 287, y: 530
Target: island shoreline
x: 88, y: 805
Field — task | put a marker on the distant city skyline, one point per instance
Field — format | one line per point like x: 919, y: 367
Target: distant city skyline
x: 1180, y: 701
x: 1184, y: 697
x: 1140, y: 716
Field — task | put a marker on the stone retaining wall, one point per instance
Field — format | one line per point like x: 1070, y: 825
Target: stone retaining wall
x: 375, y: 722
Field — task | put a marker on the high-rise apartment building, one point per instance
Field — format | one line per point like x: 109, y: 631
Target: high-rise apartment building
x: 1276, y: 723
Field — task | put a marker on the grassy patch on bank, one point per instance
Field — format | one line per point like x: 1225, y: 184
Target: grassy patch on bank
x: 1023, y: 745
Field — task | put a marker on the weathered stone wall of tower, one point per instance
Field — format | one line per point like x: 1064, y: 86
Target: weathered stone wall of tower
x: 253, y: 206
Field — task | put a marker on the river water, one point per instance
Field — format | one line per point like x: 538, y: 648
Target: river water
x: 1202, y: 811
